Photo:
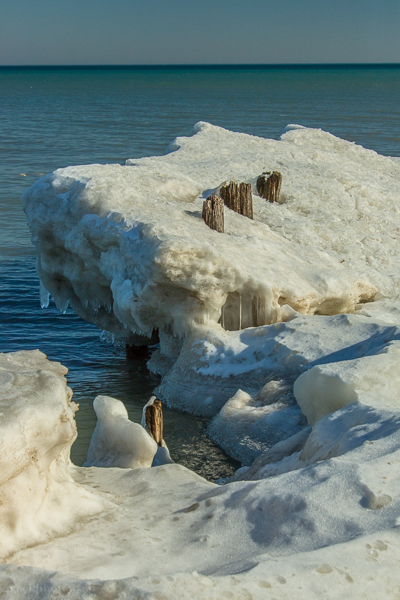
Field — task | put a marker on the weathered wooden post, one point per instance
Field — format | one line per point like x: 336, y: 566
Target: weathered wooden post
x: 230, y: 195
x: 154, y: 420
x: 269, y: 185
x: 213, y: 213
x: 246, y: 200
x: 238, y: 197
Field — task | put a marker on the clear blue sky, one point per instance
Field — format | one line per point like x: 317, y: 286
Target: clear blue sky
x: 68, y: 32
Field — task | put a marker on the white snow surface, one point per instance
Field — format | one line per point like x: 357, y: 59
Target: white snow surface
x: 323, y: 518
x: 374, y: 380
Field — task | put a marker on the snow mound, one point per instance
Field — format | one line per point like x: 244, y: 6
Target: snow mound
x: 246, y: 425
x: 38, y: 497
x: 373, y: 380
x: 348, y: 403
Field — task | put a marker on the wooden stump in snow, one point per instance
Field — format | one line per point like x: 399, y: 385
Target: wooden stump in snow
x: 238, y: 197
x: 269, y: 186
x: 154, y: 421
x: 213, y: 213
x: 230, y: 195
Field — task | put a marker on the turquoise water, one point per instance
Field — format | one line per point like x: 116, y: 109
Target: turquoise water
x: 52, y: 117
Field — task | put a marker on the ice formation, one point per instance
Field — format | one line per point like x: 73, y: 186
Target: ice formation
x: 373, y: 379
x: 127, y: 248
x: 126, y: 245
x: 321, y: 514
x: 285, y: 330
x: 38, y: 497
x: 116, y: 441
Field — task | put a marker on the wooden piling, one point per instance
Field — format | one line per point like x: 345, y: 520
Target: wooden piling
x: 246, y: 200
x: 230, y: 195
x: 213, y: 213
x: 154, y: 421
x: 238, y: 197
x: 269, y: 185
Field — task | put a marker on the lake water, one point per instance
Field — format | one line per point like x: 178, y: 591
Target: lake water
x: 54, y: 117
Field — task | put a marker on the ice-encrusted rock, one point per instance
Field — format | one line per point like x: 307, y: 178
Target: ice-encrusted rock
x: 247, y: 425
x: 348, y: 403
x: 340, y: 359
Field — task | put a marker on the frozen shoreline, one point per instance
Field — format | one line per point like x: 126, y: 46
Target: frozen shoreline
x: 125, y: 246
x: 324, y: 515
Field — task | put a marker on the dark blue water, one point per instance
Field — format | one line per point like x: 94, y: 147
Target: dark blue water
x: 51, y: 118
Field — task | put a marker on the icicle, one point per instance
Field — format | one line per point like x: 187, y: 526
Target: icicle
x: 44, y: 296
x: 223, y: 317
x: 240, y: 311
x: 62, y: 304
x: 257, y: 320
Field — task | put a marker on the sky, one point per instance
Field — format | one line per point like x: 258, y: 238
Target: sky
x: 140, y: 32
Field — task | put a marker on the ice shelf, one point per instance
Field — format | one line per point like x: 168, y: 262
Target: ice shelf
x: 126, y: 245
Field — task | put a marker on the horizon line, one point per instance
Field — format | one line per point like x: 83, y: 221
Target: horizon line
x: 207, y: 65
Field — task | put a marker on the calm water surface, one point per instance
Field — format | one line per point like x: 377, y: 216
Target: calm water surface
x: 51, y: 118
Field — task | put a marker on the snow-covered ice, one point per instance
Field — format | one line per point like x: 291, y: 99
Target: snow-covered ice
x: 285, y: 330
x: 116, y: 441
x: 126, y: 245
x: 38, y: 497
x: 127, y: 248
x: 325, y: 517
x: 373, y: 379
